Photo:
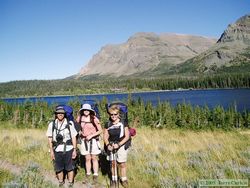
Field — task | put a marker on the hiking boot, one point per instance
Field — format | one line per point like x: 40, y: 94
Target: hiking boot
x: 86, y: 180
x: 70, y: 184
x: 113, y: 184
x: 61, y: 184
x: 95, y: 179
x: 124, y: 183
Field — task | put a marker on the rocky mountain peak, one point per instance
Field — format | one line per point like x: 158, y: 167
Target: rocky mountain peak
x: 240, y: 30
x: 231, y: 52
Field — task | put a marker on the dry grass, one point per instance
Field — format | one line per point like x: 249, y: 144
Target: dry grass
x: 158, y: 158
x: 172, y: 158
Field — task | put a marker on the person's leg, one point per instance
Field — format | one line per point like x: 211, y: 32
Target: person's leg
x: 123, y: 176
x: 123, y: 170
x: 122, y: 158
x: 114, y: 169
x: 59, y: 167
x: 71, y: 176
x: 69, y: 167
x: 95, y: 164
x: 88, y: 169
x: 94, y: 159
x: 60, y: 176
x: 88, y: 164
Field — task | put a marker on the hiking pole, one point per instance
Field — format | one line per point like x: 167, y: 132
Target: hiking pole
x: 114, y: 153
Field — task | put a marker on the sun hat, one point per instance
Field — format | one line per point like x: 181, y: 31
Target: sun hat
x: 86, y: 107
x: 59, y: 109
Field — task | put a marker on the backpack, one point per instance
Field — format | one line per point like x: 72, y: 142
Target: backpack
x: 68, y: 112
x: 69, y: 116
x: 124, y: 119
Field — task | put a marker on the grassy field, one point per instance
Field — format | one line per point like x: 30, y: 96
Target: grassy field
x: 158, y: 158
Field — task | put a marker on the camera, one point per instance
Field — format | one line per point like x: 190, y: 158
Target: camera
x: 59, y: 138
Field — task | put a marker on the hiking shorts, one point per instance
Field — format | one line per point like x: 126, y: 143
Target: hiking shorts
x: 92, y: 147
x: 121, y: 155
x: 63, y: 161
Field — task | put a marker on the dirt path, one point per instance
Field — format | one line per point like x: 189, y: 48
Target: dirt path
x: 48, y: 176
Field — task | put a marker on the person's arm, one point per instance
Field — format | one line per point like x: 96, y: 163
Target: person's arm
x: 52, y: 155
x: 49, y: 134
x: 73, y: 133
x: 74, y: 147
x: 106, y: 139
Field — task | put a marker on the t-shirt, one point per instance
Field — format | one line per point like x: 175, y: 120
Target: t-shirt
x: 116, y: 131
x: 89, y: 128
x: 60, y: 128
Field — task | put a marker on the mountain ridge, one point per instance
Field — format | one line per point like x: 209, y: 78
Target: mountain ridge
x: 167, y: 53
x: 145, y: 51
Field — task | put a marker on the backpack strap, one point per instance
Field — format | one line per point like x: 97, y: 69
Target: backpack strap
x: 93, y: 122
x: 68, y: 142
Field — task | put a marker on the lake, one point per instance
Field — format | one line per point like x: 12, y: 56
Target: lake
x: 209, y: 97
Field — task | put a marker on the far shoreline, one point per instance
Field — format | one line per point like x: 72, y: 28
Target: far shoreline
x: 114, y: 93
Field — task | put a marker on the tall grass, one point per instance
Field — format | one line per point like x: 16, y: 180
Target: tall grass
x: 178, y: 158
x: 158, y: 158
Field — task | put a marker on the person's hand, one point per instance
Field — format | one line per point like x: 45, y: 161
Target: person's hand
x: 89, y: 137
x: 110, y: 147
x: 116, y: 146
x: 74, y: 154
x: 52, y: 155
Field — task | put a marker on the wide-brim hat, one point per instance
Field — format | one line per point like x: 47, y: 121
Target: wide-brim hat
x: 87, y: 107
x: 59, y: 109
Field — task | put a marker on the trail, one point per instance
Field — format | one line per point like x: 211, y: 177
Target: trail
x: 48, y: 176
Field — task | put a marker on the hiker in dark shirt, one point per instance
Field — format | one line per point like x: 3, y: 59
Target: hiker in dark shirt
x: 116, y: 135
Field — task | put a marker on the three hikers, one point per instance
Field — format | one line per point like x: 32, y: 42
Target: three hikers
x: 62, y: 132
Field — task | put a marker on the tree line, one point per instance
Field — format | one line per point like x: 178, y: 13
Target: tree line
x: 164, y: 115
x: 80, y: 86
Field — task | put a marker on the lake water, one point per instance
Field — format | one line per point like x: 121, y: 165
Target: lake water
x: 211, y: 98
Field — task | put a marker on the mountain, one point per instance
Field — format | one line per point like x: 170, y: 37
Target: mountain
x: 231, y: 53
x: 149, y: 54
x: 144, y: 52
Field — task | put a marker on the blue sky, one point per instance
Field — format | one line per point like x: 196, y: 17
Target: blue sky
x: 53, y: 39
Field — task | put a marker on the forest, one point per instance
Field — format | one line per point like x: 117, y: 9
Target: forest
x: 80, y: 86
x: 37, y: 115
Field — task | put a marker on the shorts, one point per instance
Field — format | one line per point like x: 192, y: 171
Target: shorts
x: 92, y: 147
x: 63, y: 161
x: 120, y: 156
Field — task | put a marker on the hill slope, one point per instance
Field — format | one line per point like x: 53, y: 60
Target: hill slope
x: 143, y: 52
x: 231, y: 53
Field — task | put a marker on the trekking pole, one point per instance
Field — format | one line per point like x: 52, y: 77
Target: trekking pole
x: 114, y: 153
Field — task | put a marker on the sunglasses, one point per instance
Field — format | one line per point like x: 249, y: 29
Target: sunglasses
x: 113, y: 114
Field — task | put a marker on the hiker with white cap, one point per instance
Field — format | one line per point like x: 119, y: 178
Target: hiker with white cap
x: 90, y: 145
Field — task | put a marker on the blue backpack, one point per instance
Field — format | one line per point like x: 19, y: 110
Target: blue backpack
x: 68, y: 112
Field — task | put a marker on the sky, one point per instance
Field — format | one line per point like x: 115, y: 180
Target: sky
x: 54, y: 39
